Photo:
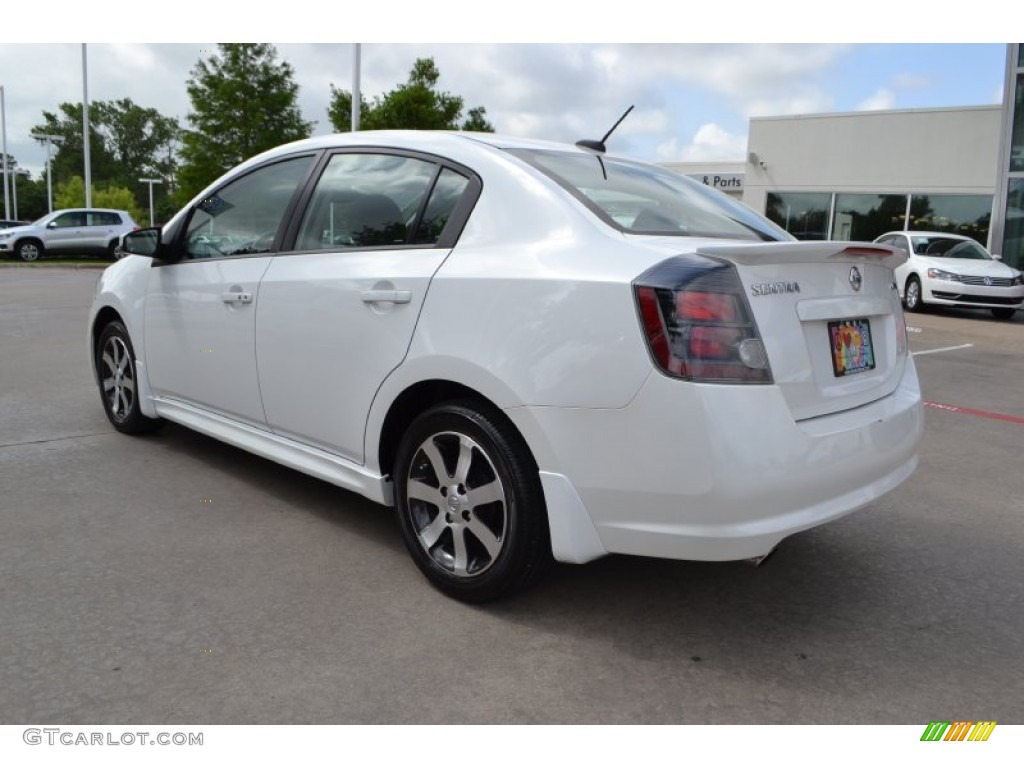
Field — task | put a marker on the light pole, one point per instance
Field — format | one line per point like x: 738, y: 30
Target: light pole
x: 151, y: 182
x: 14, y: 170
x: 49, y: 139
x: 3, y: 131
x: 357, y: 98
x: 85, y: 130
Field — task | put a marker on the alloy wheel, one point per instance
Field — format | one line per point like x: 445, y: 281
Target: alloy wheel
x: 913, y: 295
x: 118, y: 378
x: 28, y: 251
x: 457, y: 504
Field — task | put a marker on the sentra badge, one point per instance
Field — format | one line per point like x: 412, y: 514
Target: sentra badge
x: 764, y: 289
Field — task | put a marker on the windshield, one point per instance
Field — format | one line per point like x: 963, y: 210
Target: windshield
x: 647, y: 200
x: 949, y: 248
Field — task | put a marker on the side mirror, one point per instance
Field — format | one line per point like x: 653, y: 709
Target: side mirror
x: 997, y: 257
x: 52, y: 225
x: 143, y: 242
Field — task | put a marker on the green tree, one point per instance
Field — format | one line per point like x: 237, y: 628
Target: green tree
x: 31, y: 198
x: 142, y: 142
x: 417, y: 104
x: 127, y: 142
x: 70, y: 193
x: 244, y: 101
x: 69, y: 155
x: 477, y: 121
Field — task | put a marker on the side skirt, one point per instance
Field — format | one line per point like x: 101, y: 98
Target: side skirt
x: 306, y: 459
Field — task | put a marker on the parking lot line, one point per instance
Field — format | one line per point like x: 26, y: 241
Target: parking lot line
x: 940, y: 349
x: 975, y: 412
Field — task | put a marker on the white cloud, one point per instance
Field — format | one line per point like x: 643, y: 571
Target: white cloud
x: 883, y: 98
x: 710, y: 143
x: 911, y: 81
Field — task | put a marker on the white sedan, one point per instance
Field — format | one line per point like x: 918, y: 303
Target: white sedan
x: 954, y: 271
x: 532, y: 351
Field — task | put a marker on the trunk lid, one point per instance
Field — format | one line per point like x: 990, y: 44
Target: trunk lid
x: 816, y: 304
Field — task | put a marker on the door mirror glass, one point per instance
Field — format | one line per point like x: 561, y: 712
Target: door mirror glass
x: 142, y: 242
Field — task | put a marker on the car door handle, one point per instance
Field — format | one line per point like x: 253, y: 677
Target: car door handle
x: 396, y: 297
x: 236, y: 297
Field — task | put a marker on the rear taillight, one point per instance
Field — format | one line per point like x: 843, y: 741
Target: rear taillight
x: 698, y: 324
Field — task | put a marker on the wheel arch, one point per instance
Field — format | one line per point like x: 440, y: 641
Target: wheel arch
x: 417, y: 398
x: 110, y: 306
x: 29, y: 239
x: 104, y: 317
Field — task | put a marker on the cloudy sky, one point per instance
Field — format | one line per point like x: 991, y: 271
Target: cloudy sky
x: 693, y: 100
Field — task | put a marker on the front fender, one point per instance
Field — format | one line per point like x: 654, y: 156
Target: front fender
x: 122, y: 289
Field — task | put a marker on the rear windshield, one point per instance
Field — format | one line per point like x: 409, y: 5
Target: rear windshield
x: 647, y: 200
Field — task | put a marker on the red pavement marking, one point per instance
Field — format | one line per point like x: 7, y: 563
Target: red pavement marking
x: 975, y: 412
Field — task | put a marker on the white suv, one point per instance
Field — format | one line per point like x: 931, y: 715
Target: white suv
x: 71, y: 232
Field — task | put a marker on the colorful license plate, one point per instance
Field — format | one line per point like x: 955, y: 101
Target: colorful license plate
x: 852, y: 351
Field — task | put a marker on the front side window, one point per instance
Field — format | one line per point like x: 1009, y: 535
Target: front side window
x: 647, y: 200
x: 243, y: 217
x: 70, y: 219
x: 365, y: 200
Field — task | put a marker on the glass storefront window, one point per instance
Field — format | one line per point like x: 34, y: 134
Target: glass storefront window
x: 803, y: 214
x: 1017, y: 140
x: 967, y: 215
x: 865, y: 217
x: 1013, y: 234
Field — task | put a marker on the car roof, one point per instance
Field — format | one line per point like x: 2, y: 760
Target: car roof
x: 922, y: 233
x: 90, y: 210
x: 424, y: 141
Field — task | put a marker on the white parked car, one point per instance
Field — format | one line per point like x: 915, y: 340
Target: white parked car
x: 71, y: 231
x: 954, y: 271
x: 533, y: 351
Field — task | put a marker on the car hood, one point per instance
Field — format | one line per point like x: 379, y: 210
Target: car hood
x: 18, y: 230
x: 972, y: 267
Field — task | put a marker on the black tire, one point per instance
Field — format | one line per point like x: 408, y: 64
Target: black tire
x: 29, y: 250
x: 112, y: 251
x: 912, y: 295
x: 115, y: 365
x: 1003, y: 313
x: 474, y: 550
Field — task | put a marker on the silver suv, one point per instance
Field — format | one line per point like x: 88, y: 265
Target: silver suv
x: 73, y: 231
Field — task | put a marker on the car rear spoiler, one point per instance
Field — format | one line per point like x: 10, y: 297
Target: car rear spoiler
x: 802, y: 252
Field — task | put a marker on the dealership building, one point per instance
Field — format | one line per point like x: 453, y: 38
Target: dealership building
x: 857, y: 175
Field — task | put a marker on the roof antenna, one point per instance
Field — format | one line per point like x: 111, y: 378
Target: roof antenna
x: 598, y: 146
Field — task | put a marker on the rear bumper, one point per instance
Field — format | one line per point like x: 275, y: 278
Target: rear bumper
x: 707, y: 472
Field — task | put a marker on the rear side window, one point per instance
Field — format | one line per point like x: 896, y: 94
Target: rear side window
x: 365, y: 200
x: 104, y: 219
x: 647, y: 200
x: 444, y: 197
